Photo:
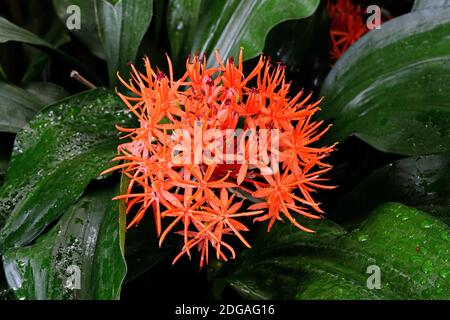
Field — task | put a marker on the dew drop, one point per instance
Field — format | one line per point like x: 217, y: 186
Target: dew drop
x: 444, y: 274
x: 427, y: 224
x: 363, y: 237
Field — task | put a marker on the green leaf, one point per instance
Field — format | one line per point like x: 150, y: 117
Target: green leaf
x: 11, y: 32
x: 421, y: 182
x: 84, y: 243
x: 430, y: 4
x: 57, y: 37
x: 410, y: 247
x: 66, y: 146
x: 182, y: 21
x: 3, y: 75
x: 391, y: 88
x: 122, y: 25
x: 229, y: 25
x: 294, y: 43
x: 88, y: 33
x: 46, y: 92
x: 142, y: 251
x: 3, y: 165
x: 290, y: 41
x: 17, y: 107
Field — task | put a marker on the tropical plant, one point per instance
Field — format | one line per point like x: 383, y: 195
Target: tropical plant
x: 364, y: 149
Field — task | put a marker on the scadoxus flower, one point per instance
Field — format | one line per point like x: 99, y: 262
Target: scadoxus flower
x: 204, y: 201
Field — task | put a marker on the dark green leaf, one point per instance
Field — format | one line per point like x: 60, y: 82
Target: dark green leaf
x: 85, y: 243
x: 57, y: 37
x: 3, y: 165
x: 17, y: 107
x: 46, y: 92
x: 11, y: 32
x: 294, y: 43
x: 410, y: 247
x: 142, y: 251
x: 421, y: 182
x: 88, y: 34
x: 391, y: 87
x: 122, y: 25
x: 291, y: 40
x: 182, y: 21
x: 229, y: 25
x: 430, y: 4
x: 66, y: 146
x: 3, y: 75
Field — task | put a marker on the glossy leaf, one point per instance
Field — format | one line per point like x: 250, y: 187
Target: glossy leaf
x: 182, y: 21
x: 430, y: 4
x: 229, y: 25
x: 410, y: 247
x: 56, y: 36
x: 46, y: 92
x: 122, y: 24
x: 88, y: 33
x: 391, y: 87
x: 294, y: 43
x: 66, y: 146
x: 11, y: 32
x: 421, y: 182
x: 17, y: 107
x: 142, y: 251
x: 85, y: 243
x: 291, y: 40
x: 3, y: 75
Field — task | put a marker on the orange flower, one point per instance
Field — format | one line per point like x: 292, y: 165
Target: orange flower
x: 346, y: 26
x: 186, y: 180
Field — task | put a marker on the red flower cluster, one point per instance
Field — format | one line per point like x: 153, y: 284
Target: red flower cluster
x: 205, y: 194
x: 346, y: 26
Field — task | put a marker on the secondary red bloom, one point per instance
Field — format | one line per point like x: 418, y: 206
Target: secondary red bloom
x: 192, y: 186
x: 346, y: 26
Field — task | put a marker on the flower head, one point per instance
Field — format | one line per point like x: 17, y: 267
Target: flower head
x: 210, y: 137
x: 346, y: 26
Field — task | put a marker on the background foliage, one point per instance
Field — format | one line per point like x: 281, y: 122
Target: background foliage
x: 388, y: 98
